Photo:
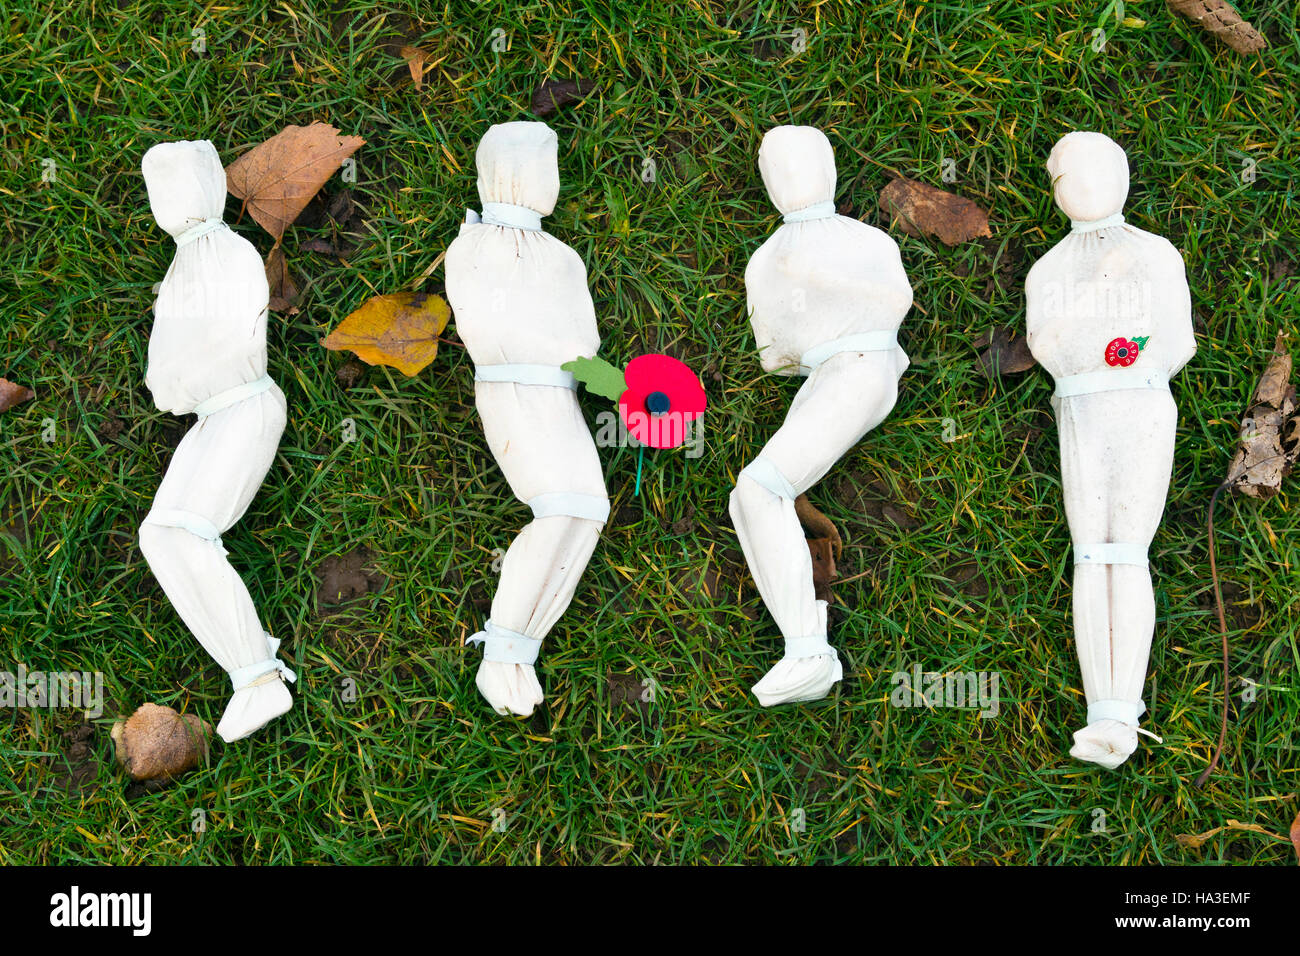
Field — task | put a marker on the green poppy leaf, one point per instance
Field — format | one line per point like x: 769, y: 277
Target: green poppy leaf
x: 599, y: 376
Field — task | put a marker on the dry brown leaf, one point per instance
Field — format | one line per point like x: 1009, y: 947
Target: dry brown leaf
x: 349, y: 373
x: 11, y: 394
x: 156, y: 742
x: 284, y: 291
x: 1269, y: 440
x: 823, y: 568
x: 323, y: 246
x: 921, y: 210
x: 817, y: 525
x: 415, y: 61
x: 1005, y: 353
x: 1295, y: 836
x: 399, y: 330
x: 1221, y: 21
x: 553, y: 94
x: 278, y: 178
x: 824, y: 545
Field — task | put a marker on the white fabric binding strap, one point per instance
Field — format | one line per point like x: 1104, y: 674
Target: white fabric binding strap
x: 570, y: 504
x: 233, y: 396
x: 808, y: 647
x: 768, y: 476
x: 818, y: 210
x: 881, y: 340
x: 1111, y: 552
x: 1124, y: 711
x: 190, y: 521
x: 1092, y: 225
x: 523, y: 374
x: 508, y: 215
x: 1111, y: 380
x: 255, y: 674
x: 202, y: 229
x: 505, y: 646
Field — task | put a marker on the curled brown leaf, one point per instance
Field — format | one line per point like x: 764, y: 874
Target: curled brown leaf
x: 157, y: 743
x: 824, y: 546
x: 278, y: 178
x: 1005, y: 353
x: 922, y: 210
x: 1269, y: 440
x: 1221, y: 21
x: 553, y: 94
x: 415, y: 60
x: 284, y: 291
x: 12, y: 394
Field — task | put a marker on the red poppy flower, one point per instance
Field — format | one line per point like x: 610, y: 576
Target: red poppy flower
x: 663, y: 396
x: 1122, y: 352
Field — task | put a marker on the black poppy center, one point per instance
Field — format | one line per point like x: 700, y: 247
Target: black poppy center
x: 1122, y: 352
x: 657, y: 403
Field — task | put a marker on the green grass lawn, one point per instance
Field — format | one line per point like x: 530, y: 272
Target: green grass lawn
x: 959, y: 550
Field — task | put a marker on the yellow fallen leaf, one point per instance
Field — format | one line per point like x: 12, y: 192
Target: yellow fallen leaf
x: 399, y: 330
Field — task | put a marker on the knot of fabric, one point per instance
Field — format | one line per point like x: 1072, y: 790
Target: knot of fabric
x: 818, y: 210
x: 191, y: 521
x: 1092, y: 225
x: 796, y: 647
x: 233, y: 396
x: 262, y: 671
x: 766, y: 475
x: 570, y: 504
x: 505, y: 646
x: 506, y: 214
x: 202, y: 229
x: 1124, y: 711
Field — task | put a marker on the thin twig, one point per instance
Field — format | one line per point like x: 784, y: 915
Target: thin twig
x: 1241, y: 476
x: 1223, y: 631
x: 853, y: 577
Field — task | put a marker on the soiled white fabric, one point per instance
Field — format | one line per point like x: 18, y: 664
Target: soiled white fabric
x: 826, y: 297
x: 1103, y: 281
x: 207, y: 354
x: 523, y: 309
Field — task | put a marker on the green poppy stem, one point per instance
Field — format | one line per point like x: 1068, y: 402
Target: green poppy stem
x: 640, y: 455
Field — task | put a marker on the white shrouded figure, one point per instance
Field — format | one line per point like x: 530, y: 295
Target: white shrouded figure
x: 207, y: 355
x: 523, y: 309
x: 1109, y: 316
x: 826, y: 295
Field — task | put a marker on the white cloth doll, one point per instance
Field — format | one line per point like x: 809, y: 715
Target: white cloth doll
x: 522, y: 309
x: 1109, y: 316
x: 826, y: 295
x: 207, y: 355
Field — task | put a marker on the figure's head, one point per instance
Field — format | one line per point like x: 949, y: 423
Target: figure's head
x: 518, y: 164
x: 798, y: 167
x: 1089, y: 176
x: 186, y: 183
